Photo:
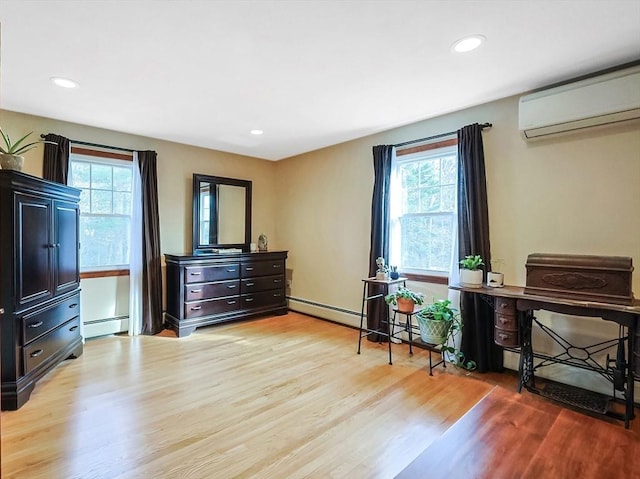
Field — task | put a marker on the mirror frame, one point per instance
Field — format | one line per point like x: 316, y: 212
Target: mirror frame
x: 199, y: 248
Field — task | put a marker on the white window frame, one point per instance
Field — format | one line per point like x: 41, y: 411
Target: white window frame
x: 101, y: 160
x: 395, y: 211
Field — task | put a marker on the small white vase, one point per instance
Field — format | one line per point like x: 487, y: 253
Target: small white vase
x: 495, y: 280
x: 471, y: 278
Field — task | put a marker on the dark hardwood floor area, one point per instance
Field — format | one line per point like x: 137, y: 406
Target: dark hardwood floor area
x: 288, y: 397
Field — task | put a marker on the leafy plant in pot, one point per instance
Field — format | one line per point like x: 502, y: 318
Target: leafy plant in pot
x: 470, y: 272
x: 439, y: 325
x: 404, y: 299
x: 11, y: 153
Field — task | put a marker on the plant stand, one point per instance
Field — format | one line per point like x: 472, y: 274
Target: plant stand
x: 408, y: 327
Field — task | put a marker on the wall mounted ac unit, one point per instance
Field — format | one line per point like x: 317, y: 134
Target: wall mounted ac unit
x: 599, y: 100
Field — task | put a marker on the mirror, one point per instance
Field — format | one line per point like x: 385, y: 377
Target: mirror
x: 221, y: 213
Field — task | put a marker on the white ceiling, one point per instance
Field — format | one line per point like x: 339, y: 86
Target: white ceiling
x: 310, y: 73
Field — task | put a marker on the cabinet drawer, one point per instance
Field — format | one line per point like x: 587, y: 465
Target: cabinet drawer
x: 212, y: 306
x: 266, y: 298
x: 263, y: 283
x: 198, y: 291
x: 508, y: 322
x: 505, y: 306
x: 43, y: 348
x: 37, y: 324
x: 204, y: 274
x: 262, y: 268
x: 506, y: 338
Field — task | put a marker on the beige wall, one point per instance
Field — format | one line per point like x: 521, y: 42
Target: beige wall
x: 176, y: 165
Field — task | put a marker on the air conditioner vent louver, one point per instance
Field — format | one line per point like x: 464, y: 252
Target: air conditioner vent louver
x: 600, y: 100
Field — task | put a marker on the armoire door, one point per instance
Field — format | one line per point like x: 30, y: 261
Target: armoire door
x: 34, y: 250
x: 66, y: 254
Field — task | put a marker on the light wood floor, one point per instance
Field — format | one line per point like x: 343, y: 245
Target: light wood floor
x: 279, y: 397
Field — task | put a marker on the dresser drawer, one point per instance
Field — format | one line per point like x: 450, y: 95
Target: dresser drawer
x: 37, y: 324
x: 205, y: 274
x: 46, y: 346
x: 263, y: 283
x: 505, y: 306
x: 274, y: 297
x: 506, y: 338
x: 507, y: 322
x: 212, y: 306
x: 262, y: 268
x: 198, y: 291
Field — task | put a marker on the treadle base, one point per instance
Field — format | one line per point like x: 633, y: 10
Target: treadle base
x: 576, y: 397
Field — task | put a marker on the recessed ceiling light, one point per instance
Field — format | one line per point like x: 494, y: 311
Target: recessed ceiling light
x: 467, y: 44
x: 64, y: 82
x: 256, y: 132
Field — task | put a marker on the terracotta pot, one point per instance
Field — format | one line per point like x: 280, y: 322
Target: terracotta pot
x: 405, y: 305
x: 11, y: 162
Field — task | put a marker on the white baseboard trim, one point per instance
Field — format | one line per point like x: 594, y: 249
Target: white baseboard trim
x: 325, y: 311
x: 105, y: 327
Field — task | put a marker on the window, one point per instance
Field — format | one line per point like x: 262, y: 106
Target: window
x: 423, y: 208
x: 105, y: 208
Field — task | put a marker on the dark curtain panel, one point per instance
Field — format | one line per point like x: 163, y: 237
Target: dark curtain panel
x: 473, y: 238
x: 151, y: 260
x: 377, y: 309
x: 55, y: 165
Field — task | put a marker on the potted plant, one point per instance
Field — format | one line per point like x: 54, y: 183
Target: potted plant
x: 393, y: 274
x: 470, y: 272
x: 495, y: 278
x: 439, y: 324
x: 11, y: 153
x: 404, y: 299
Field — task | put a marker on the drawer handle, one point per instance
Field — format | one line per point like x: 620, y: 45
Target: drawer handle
x: 276, y: 295
x: 37, y: 353
x: 504, y: 305
x: 277, y: 281
x: 196, y: 290
x: 231, y: 286
x: 231, y: 302
x: 196, y: 308
x: 248, y: 300
x: 277, y: 265
x: 249, y: 284
x: 504, y: 321
x: 249, y: 268
x: 74, y: 305
x: 503, y: 336
x: 35, y: 325
x: 233, y: 270
x: 73, y: 328
x: 195, y: 273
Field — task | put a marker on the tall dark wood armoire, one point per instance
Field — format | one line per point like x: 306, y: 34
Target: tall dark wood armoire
x: 39, y: 281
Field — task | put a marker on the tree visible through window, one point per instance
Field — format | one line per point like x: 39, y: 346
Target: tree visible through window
x: 105, y: 211
x: 423, y: 210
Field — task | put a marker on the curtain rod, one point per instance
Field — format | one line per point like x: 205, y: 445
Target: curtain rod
x: 441, y: 135
x: 97, y: 145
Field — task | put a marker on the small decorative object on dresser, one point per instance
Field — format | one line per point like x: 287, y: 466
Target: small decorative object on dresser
x: 495, y: 279
x: 11, y: 153
x: 470, y: 272
x: 262, y: 242
x: 405, y: 299
x: 382, y: 272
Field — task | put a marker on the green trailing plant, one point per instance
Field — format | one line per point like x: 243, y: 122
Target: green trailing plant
x: 471, y: 262
x: 404, y: 293
x: 441, y: 310
x: 18, y: 148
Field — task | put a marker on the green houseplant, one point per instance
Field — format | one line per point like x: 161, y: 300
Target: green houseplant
x: 470, y: 272
x: 11, y: 153
x: 439, y: 325
x: 405, y: 299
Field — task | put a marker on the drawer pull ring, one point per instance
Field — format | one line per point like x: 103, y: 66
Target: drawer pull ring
x: 196, y: 290
x: 73, y: 328
x: 37, y: 353
x: 196, y: 308
x: 36, y: 325
x: 73, y: 305
x: 249, y: 284
x: 195, y: 273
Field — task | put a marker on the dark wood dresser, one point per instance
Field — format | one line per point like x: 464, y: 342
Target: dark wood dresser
x: 39, y: 281
x: 209, y: 289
